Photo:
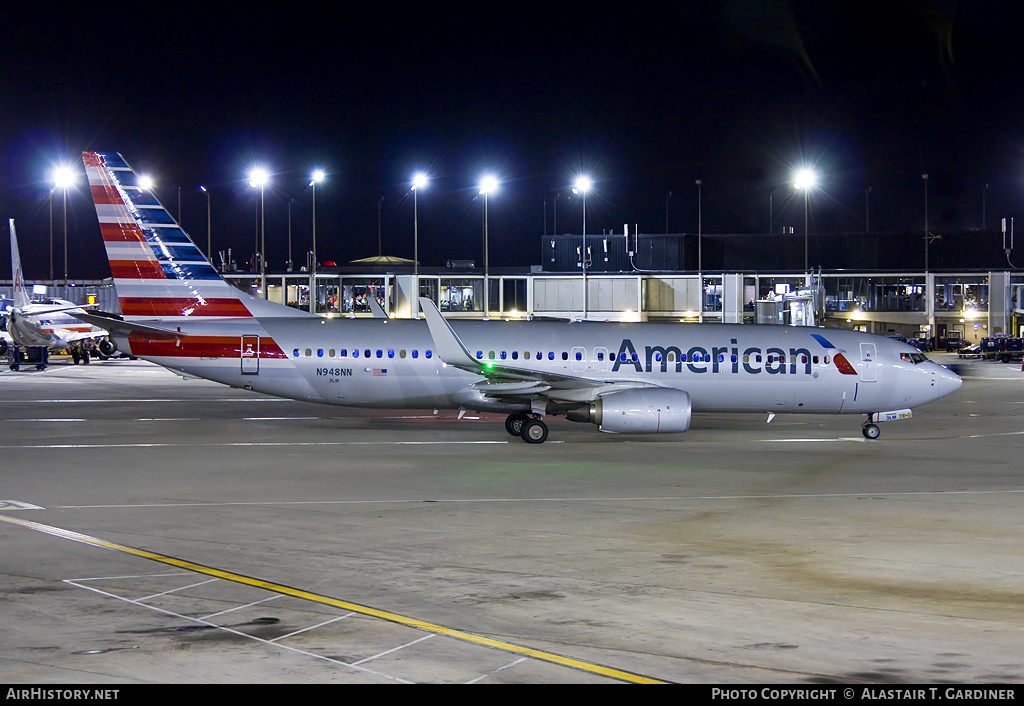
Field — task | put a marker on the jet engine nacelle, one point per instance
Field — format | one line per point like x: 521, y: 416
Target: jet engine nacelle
x: 107, y: 347
x: 649, y: 410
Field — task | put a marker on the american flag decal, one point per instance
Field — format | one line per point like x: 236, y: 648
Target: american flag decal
x: 380, y: 372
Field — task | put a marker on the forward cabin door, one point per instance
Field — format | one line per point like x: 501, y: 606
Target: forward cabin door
x: 868, y: 370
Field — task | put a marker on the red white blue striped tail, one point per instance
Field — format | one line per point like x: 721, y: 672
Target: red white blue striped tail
x: 158, y: 271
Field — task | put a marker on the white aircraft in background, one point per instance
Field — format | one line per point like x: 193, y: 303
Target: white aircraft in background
x: 623, y: 377
x: 48, y: 323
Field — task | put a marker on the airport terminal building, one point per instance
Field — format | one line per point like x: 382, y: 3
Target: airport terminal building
x: 958, y: 285
x: 954, y: 286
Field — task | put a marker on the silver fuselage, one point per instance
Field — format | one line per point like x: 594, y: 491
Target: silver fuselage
x: 392, y: 363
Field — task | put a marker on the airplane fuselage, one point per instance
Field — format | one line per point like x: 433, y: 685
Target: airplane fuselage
x: 38, y: 326
x: 391, y: 363
x: 627, y: 378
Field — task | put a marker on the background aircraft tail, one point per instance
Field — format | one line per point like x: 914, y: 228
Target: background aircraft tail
x: 21, y: 297
x: 158, y: 271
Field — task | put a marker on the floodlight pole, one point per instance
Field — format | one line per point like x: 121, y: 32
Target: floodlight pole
x: 700, y: 249
x: 924, y: 177
x: 487, y: 285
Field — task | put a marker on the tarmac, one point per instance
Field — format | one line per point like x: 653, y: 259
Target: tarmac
x: 161, y: 530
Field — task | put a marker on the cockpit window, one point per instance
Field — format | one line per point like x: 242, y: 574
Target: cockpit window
x: 915, y: 358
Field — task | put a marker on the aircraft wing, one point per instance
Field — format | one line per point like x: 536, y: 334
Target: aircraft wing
x: 41, y: 310
x: 71, y: 336
x: 507, y: 381
x: 119, y: 327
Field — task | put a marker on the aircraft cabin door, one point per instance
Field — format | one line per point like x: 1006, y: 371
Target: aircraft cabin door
x: 868, y: 372
x: 250, y: 355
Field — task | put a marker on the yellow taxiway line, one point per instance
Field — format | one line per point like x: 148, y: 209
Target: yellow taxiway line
x: 473, y: 638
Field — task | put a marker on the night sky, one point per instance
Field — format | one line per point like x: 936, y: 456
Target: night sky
x: 645, y: 97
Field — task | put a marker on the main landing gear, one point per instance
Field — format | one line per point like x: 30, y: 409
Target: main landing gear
x: 532, y: 430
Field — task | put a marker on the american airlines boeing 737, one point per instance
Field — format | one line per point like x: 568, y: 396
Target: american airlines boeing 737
x: 623, y: 377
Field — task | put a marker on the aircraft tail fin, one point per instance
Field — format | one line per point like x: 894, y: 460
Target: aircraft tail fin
x: 20, y: 297
x: 158, y: 271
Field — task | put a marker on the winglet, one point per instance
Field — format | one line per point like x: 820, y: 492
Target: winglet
x: 449, y: 347
x: 376, y: 309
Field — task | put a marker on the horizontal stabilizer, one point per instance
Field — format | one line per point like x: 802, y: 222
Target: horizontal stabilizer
x: 119, y: 327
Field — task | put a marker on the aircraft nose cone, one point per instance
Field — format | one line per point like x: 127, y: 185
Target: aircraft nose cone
x: 948, y: 382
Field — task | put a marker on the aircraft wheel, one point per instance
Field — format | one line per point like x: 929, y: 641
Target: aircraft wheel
x: 535, y: 431
x: 871, y: 431
x: 85, y: 357
x: 514, y: 423
x: 40, y: 367
x: 75, y: 356
x: 14, y: 367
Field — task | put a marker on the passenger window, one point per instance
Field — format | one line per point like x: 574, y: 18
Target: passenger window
x: 331, y: 353
x: 295, y: 353
x: 401, y: 353
x: 366, y: 353
x: 309, y: 352
x: 391, y: 353
x: 565, y: 356
x: 319, y: 352
x: 479, y: 355
x: 426, y: 354
x: 551, y: 355
x: 355, y: 352
x: 415, y: 353
x: 515, y: 355
x: 343, y: 353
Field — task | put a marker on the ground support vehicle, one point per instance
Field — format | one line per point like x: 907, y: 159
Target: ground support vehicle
x: 17, y: 356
